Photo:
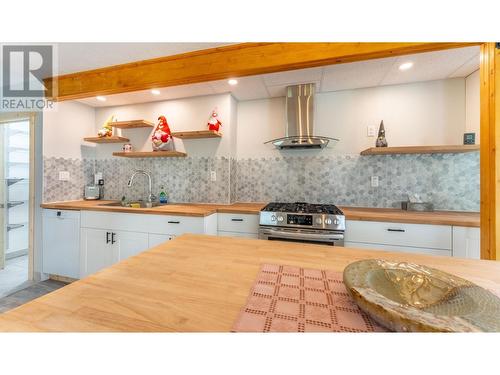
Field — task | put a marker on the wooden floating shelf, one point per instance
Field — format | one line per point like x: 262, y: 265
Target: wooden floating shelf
x: 150, y: 154
x: 132, y: 124
x: 197, y: 134
x: 112, y: 139
x: 420, y: 150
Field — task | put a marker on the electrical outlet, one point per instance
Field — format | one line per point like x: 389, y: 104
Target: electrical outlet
x: 213, y: 176
x: 374, y: 181
x: 370, y: 131
x: 63, y: 176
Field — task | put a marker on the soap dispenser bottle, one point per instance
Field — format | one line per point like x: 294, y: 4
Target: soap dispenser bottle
x: 163, y: 195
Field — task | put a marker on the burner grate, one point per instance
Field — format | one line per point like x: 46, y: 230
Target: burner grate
x: 303, y: 207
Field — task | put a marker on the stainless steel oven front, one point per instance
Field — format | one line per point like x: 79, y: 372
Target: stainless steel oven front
x: 315, y: 236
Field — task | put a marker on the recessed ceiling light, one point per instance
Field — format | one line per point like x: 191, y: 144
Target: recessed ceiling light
x: 232, y: 82
x: 155, y: 92
x: 406, y: 65
x: 101, y: 98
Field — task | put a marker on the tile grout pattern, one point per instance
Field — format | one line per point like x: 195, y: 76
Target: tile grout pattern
x: 450, y: 181
x: 29, y: 293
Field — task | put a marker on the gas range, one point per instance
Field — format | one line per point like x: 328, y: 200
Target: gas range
x: 303, y: 222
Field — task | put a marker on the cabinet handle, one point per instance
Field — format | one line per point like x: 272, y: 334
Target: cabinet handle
x: 174, y: 222
x: 395, y: 230
x: 236, y: 219
x: 113, y: 238
x: 107, y: 237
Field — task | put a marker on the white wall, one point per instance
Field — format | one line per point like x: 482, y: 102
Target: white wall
x: 424, y: 113
x: 182, y: 114
x: 64, y: 129
x: 472, y: 104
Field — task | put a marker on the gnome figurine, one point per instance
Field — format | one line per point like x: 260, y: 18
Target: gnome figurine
x: 162, y: 137
x: 213, y: 121
x: 381, y: 141
x: 106, y: 130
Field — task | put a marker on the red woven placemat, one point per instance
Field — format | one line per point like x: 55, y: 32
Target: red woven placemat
x: 293, y: 299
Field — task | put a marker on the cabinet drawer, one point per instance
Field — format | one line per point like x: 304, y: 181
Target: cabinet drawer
x: 399, y: 234
x: 243, y: 223
x: 160, y: 224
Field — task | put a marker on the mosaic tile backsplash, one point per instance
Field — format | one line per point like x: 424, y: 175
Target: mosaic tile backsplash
x: 450, y: 181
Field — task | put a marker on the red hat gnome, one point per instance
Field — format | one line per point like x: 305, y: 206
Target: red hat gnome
x: 162, y: 136
x: 213, y: 121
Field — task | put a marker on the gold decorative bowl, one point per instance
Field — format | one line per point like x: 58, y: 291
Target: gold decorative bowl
x: 410, y: 297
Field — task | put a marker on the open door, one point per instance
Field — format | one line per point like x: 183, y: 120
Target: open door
x: 15, y: 201
x: 3, y: 232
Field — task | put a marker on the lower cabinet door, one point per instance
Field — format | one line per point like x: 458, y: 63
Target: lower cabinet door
x: 157, y: 239
x: 98, y: 251
x: 130, y: 243
x: 466, y: 242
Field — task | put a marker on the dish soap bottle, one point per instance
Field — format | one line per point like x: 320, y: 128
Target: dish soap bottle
x: 163, y: 195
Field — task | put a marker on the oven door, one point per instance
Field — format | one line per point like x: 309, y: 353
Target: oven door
x: 323, y: 237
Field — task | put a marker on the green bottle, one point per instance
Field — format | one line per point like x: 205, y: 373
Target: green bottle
x: 163, y: 195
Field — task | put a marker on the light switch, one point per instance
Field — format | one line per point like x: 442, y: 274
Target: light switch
x: 213, y: 176
x: 370, y: 131
x: 63, y: 176
x: 374, y: 181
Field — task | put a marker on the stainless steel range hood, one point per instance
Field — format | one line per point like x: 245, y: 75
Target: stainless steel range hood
x: 299, y: 120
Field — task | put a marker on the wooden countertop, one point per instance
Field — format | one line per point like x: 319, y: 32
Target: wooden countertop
x: 183, y: 209
x: 197, y: 283
x: 465, y: 219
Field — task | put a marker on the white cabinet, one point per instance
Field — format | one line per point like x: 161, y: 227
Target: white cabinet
x: 413, y: 238
x: 466, y: 242
x: 77, y: 244
x: 97, y: 250
x: 446, y: 240
x: 61, y: 243
x: 238, y: 225
x: 146, y: 223
x: 102, y: 248
x: 109, y: 237
x: 157, y: 239
x: 131, y: 243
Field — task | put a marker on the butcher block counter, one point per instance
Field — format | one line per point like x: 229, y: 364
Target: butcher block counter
x: 183, y: 209
x: 196, y: 283
x: 464, y: 219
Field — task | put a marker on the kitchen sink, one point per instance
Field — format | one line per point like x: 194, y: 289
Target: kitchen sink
x: 141, y: 204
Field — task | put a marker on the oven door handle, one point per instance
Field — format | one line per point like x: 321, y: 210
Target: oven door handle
x: 302, y: 236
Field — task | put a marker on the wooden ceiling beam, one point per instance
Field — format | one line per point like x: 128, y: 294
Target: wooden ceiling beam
x: 231, y: 61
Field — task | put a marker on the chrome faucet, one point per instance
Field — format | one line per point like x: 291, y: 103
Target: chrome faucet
x: 151, y: 197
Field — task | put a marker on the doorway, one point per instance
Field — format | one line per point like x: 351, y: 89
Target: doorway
x: 15, y: 202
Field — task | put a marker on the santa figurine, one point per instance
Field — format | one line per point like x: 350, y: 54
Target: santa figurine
x: 162, y: 137
x: 213, y: 121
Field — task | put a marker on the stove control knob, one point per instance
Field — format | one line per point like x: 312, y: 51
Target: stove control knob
x: 280, y: 218
x: 328, y: 221
x: 336, y: 221
x: 273, y: 218
x: 319, y: 221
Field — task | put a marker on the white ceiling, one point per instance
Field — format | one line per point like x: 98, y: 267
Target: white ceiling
x: 77, y: 57
x: 427, y: 67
